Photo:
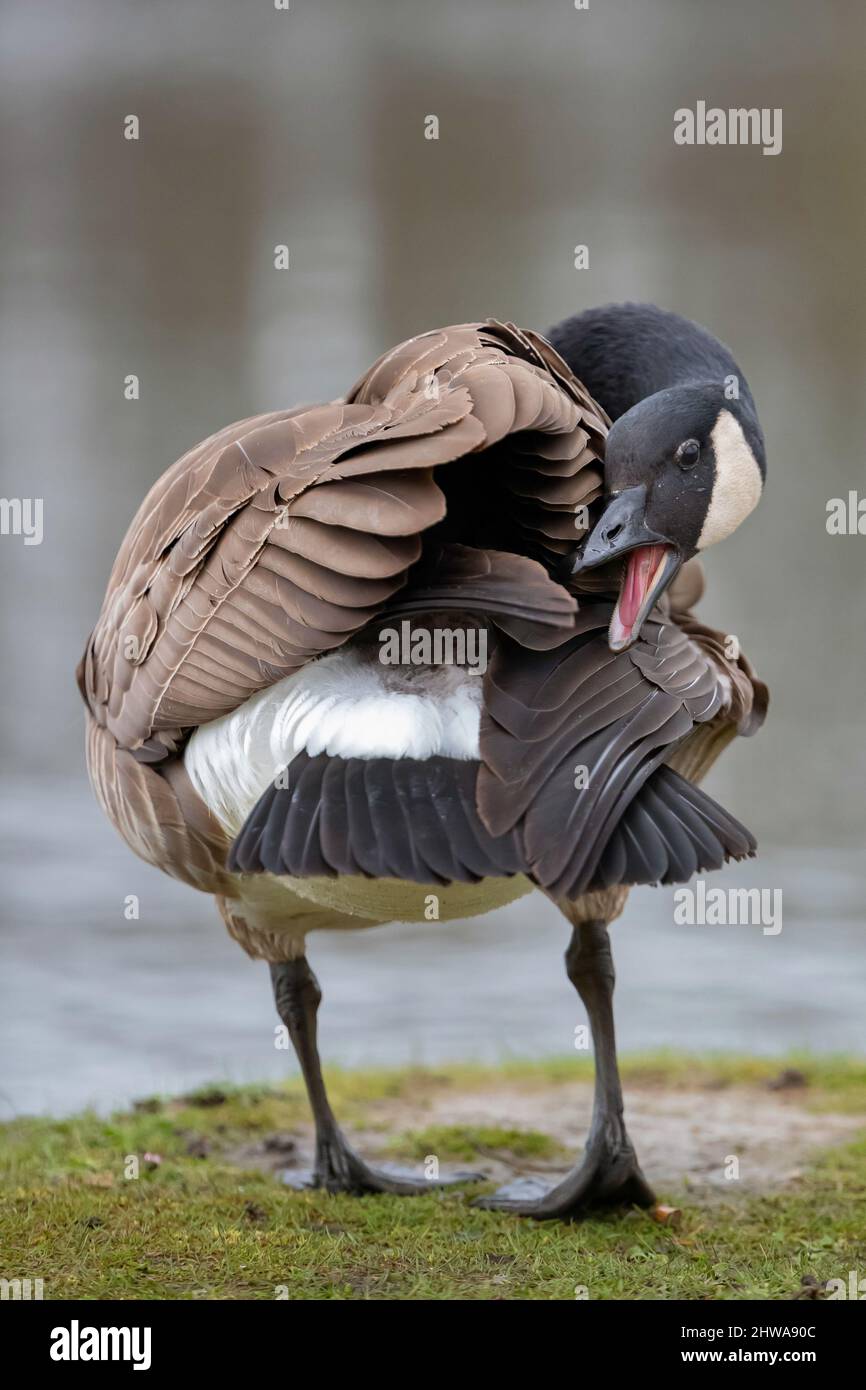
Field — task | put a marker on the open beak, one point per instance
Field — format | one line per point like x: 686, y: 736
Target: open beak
x: 651, y: 565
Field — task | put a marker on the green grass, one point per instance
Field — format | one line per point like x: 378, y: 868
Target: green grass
x: 466, y: 1142
x: 199, y: 1227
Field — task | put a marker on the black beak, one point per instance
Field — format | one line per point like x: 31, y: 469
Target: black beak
x: 623, y: 528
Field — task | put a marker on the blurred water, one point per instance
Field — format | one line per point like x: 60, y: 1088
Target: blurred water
x: 97, y: 1009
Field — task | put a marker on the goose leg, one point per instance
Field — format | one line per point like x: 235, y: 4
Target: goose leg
x: 609, y: 1173
x: 337, y: 1167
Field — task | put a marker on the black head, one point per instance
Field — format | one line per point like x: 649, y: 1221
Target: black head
x: 682, y: 469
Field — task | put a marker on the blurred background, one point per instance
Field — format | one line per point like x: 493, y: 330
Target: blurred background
x: 155, y: 257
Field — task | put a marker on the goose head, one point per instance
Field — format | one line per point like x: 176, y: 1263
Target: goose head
x: 683, y: 468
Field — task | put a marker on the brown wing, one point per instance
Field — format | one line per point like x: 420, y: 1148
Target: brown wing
x: 158, y: 812
x: 281, y: 536
x: 276, y: 539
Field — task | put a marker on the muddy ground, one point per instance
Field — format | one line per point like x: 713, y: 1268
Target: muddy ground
x: 685, y: 1137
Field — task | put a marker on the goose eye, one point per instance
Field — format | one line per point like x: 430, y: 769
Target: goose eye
x: 688, y: 453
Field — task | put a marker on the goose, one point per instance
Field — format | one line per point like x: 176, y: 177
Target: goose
x: 270, y: 720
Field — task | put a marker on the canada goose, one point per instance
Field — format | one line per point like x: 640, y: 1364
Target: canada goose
x: 247, y: 733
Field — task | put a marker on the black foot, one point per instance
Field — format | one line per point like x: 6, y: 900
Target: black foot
x: 609, y: 1176
x: 339, y: 1169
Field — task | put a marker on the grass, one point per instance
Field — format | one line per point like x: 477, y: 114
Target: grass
x: 194, y: 1225
x: 468, y: 1142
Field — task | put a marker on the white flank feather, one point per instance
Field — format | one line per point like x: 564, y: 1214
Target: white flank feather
x: 346, y: 704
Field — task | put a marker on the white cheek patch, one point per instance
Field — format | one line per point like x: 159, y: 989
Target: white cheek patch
x: 738, y: 482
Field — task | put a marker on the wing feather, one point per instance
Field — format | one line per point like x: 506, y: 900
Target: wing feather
x: 281, y: 536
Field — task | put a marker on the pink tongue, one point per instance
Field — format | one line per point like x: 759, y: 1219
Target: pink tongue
x: 642, y: 565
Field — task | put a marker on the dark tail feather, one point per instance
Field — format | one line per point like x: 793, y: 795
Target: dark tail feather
x: 386, y: 818
x: 670, y: 831
x: 417, y: 820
